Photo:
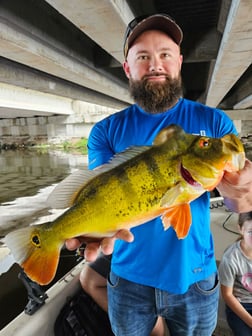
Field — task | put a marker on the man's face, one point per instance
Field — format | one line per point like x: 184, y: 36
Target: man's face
x: 153, y: 52
x: 153, y: 67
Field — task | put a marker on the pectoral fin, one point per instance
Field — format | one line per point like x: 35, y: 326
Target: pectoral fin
x: 171, y: 196
x: 179, y: 217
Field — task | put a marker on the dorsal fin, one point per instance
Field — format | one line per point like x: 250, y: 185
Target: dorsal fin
x: 124, y: 156
x: 65, y: 194
x: 166, y: 133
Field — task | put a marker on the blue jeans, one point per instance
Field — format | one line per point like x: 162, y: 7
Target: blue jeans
x: 239, y: 327
x: 133, y: 308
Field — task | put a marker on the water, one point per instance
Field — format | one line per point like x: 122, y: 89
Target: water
x: 26, y: 179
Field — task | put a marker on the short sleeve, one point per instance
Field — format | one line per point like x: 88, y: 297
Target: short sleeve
x: 226, y: 273
x: 99, y: 149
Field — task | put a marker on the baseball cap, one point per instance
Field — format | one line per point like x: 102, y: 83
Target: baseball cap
x: 162, y: 22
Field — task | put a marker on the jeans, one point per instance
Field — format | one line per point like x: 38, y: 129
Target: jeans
x: 239, y: 327
x: 133, y: 308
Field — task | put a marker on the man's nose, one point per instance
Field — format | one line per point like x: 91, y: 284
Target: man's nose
x: 156, y: 64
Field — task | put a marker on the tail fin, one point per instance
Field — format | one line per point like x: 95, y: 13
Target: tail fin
x: 37, y: 255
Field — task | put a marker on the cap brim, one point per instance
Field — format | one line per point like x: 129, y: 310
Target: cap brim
x: 155, y: 22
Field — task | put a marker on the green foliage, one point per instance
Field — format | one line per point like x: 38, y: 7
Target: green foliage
x: 79, y: 146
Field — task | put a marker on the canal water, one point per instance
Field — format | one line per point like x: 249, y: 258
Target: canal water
x: 26, y: 179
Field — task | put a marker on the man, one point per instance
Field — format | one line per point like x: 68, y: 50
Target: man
x: 152, y: 272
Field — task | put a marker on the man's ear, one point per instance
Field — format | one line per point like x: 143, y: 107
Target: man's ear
x: 126, y: 69
x: 181, y: 60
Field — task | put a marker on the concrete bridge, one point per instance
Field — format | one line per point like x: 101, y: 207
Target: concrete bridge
x: 60, y: 61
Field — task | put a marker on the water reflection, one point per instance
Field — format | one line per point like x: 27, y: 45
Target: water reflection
x: 26, y: 179
x: 23, y: 173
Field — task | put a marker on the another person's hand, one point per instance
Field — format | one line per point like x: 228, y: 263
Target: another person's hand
x: 93, y: 245
x: 236, y: 188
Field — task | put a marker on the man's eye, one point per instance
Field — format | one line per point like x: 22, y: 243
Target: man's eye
x: 143, y: 57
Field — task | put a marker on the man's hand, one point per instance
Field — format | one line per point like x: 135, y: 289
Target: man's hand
x: 236, y: 188
x: 93, y: 245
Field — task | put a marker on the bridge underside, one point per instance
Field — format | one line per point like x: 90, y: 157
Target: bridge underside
x: 56, y: 49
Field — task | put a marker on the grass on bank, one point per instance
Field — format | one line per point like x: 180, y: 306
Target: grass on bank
x: 79, y: 146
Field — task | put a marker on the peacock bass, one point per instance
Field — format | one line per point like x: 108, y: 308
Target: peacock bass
x: 138, y: 185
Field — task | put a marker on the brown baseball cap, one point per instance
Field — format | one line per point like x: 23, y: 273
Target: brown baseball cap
x: 161, y: 22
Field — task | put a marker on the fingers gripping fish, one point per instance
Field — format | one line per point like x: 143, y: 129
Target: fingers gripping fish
x: 138, y: 185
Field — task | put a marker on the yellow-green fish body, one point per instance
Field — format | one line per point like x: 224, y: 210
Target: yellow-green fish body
x: 137, y: 186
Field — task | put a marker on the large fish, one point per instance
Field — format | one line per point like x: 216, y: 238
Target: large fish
x: 138, y: 185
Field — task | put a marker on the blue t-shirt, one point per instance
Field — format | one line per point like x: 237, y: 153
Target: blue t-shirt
x: 156, y: 257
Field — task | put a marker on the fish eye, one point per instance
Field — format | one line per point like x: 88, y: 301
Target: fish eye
x: 204, y: 143
x: 35, y: 240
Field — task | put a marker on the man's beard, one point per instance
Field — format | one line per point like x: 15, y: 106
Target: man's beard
x: 156, y: 97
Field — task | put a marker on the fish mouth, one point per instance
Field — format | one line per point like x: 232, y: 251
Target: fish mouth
x: 188, y: 177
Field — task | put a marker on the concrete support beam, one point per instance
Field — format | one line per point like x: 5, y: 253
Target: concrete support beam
x: 13, y: 97
x: 16, y: 101
x: 25, y: 77
x: 89, y: 113
x: 201, y: 52
x: 244, y: 103
x: 239, y: 114
x: 235, y: 53
x: 21, y: 46
x: 52, y: 128
x: 110, y: 18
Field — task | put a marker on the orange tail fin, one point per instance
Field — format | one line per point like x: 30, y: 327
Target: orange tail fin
x: 39, y: 258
